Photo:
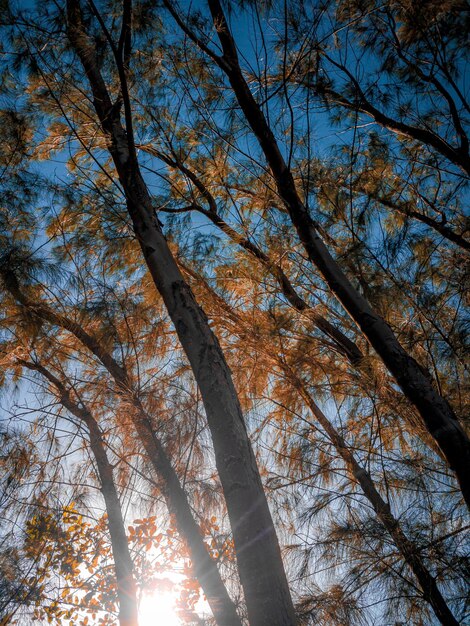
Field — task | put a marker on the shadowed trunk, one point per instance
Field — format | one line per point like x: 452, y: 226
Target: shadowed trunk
x: 408, y: 550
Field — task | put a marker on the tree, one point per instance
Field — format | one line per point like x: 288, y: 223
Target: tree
x: 261, y: 570
x: 126, y: 588
x: 436, y: 412
x: 175, y: 497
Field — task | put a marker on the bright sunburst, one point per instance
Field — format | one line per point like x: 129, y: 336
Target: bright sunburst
x: 158, y: 608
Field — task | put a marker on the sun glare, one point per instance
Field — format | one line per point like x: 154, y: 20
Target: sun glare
x: 158, y: 608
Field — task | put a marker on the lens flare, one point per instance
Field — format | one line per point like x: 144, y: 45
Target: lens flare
x: 158, y: 608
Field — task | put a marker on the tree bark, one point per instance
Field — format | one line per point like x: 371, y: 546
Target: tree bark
x: 257, y: 549
x: 408, y: 550
x: 205, y: 568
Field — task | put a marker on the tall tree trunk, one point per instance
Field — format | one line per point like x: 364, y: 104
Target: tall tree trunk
x: 258, y: 554
x: 205, y: 568
x: 408, y: 550
x: 438, y: 416
x: 126, y: 587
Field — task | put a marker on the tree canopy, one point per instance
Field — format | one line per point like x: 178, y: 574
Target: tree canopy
x: 234, y: 285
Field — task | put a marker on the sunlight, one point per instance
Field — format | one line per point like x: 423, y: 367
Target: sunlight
x: 158, y: 608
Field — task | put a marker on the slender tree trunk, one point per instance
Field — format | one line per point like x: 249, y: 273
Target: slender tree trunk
x: 408, y: 550
x: 259, y: 558
x: 437, y: 414
x: 205, y: 568
x: 126, y: 587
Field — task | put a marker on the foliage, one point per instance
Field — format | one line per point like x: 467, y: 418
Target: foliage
x: 367, y: 105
